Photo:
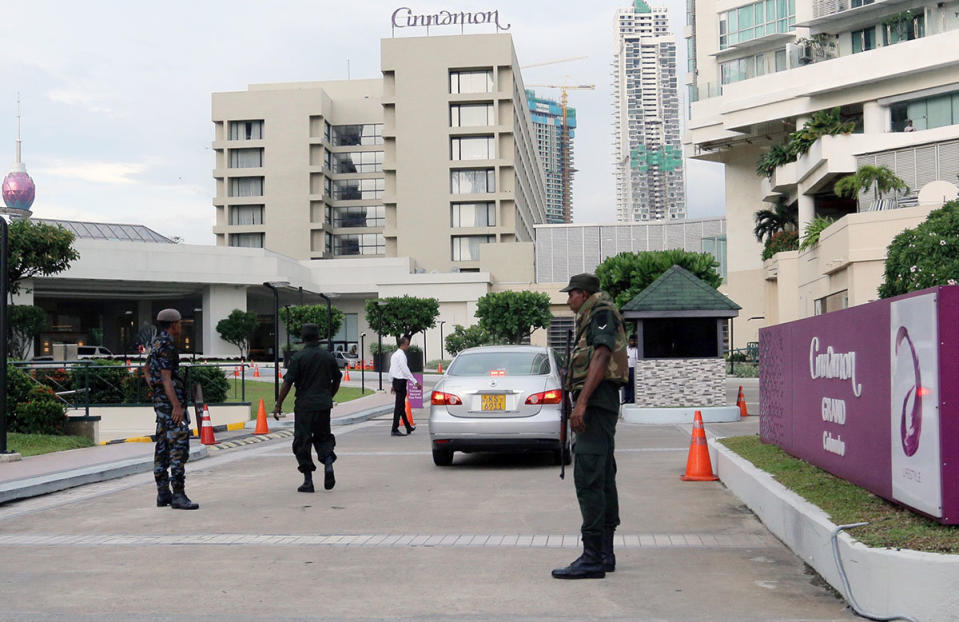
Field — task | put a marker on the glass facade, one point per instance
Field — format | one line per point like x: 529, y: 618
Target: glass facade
x: 466, y: 247
x: 472, y: 148
x: 863, y: 40
x: 246, y: 130
x: 756, y: 20
x: 365, y: 216
x: 480, y: 81
x: 246, y: 186
x: 926, y: 113
x: 473, y: 214
x: 246, y: 240
x: 752, y: 66
x: 352, y: 135
x: 358, y: 162
x: 471, y: 115
x: 472, y: 181
x: 358, y: 189
x: 359, y: 244
x: 246, y: 214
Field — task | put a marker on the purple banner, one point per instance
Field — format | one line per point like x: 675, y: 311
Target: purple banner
x: 415, y: 395
x: 857, y: 392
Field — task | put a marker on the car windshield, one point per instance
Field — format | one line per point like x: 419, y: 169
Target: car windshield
x: 500, y: 364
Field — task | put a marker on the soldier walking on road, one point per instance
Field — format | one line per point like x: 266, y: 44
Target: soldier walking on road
x: 317, y: 378
x: 173, y: 421
x: 597, y: 370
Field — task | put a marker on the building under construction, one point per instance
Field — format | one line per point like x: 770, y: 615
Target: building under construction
x: 547, y: 116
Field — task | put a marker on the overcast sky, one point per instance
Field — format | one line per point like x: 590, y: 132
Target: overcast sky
x: 116, y: 95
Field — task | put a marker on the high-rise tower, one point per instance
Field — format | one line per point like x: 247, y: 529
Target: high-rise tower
x: 18, y: 188
x: 649, y: 157
x: 547, y: 116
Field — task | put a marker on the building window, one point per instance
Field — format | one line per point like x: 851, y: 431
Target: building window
x: 832, y: 302
x: 472, y: 181
x: 246, y: 130
x: 756, y: 20
x: 473, y: 214
x: 358, y: 162
x: 246, y: 240
x: 359, y: 244
x: 466, y: 247
x: 352, y: 135
x: 926, y: 113
x: 246, y: 186
x: 471, y: 115
x: 472, y: 148
x: 905, y: 30
x: 366, y: 216
x: 864, y: 40
x: 246, y: 158
x: 358, y: 189
x: 246, y: 214
x: 471, y: 81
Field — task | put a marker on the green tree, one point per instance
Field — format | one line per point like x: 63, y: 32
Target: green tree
x: 881, y: 179
x: 402, y: 316
x: 296, y: 317
x: 771, y: 221
x: 925, y: 256
x: 810, y: 236
x: 38, y: 249
x: 462, y: 338
x: 237, y: 328
x: 512, y: 316
x: 26, y: 322
x: 623, y: 276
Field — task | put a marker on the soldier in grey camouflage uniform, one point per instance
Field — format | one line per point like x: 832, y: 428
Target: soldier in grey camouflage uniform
x: 173, y: 421
x: 598, y: 367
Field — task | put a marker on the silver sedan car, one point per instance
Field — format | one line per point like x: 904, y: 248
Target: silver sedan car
x: 498, y: 398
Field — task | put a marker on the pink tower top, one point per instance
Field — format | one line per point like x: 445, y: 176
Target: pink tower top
x: 18, y: 188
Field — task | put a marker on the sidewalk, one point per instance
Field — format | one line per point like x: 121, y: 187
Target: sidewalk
x: 46, y: 473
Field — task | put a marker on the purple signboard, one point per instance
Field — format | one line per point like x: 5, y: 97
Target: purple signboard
x: 857, y: 392
x: 414, y: 394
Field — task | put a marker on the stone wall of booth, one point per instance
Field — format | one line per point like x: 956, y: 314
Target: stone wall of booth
x: 680, y: 382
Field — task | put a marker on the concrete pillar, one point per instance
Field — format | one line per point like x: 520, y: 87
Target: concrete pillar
x: 875, y: 118
x: 218, y: 302
x: 807, y: 212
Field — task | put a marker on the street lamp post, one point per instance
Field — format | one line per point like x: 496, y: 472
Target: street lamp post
x: 379, y: 337
x: 286, y: 354
x: 329, y: 323
x: 273, y: 285
x: 362, y: 363
x: 442, y: 345
x: 5, y: 258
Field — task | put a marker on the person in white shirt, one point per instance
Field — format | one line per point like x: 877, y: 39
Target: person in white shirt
x: 632, y: 355
x: 400, y: 373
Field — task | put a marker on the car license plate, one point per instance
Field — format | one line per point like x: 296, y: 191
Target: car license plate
x: 493, y: 402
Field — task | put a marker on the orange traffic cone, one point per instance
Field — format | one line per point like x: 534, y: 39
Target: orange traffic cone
x: 439, y: 368
x: 279, y: 373
x: 741, y: 402
x: 236, y: 372
x: 698, y: 466
x: 256, y: 371
x: 346, y: 376
x: 261, y: 425
x: 206, y: 428
x: 409, y: 413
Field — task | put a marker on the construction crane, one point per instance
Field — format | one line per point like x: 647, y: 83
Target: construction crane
x: 554, y: 62
x: 564, y: 141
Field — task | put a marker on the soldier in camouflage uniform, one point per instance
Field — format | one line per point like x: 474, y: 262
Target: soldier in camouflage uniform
x: 598, y: 367
x: 173, y: 421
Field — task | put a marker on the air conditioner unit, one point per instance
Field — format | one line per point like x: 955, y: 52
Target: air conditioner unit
x: 805, y: 54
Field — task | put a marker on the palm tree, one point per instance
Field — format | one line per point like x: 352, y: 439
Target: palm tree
x: 769, y: 221
x: 881, y: 179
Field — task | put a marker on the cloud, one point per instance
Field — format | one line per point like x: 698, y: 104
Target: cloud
x: 77, y: 98
x: 117, y: 173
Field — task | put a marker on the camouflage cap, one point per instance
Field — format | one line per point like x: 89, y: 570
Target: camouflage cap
x: 169, y: 315
x: 585, y: 281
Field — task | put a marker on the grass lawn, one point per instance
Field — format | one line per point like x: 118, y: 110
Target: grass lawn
x: 36, y: 444
x: 264, y: 390
x: 890, y: 525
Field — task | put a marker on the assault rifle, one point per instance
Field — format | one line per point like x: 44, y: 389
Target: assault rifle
x: 565, y: 410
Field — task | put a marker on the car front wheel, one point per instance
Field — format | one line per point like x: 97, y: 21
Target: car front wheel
x: 442, y: 457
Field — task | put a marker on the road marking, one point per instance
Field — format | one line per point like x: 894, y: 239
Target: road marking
x: 628, y: 541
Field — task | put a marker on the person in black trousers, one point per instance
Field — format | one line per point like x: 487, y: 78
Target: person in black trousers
x: 400, y: 374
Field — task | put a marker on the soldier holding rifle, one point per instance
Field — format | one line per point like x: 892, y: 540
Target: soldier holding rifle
x: 596, y: 370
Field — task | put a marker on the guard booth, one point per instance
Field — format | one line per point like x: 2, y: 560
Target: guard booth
x: 679, y: 323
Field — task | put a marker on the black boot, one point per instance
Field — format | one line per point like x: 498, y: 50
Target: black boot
x: 609, y: 557
x: 589, y: 565
x: 182, y: 502
x: 329, y: 481
x: 307, y: 485
x: 164, y: 496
